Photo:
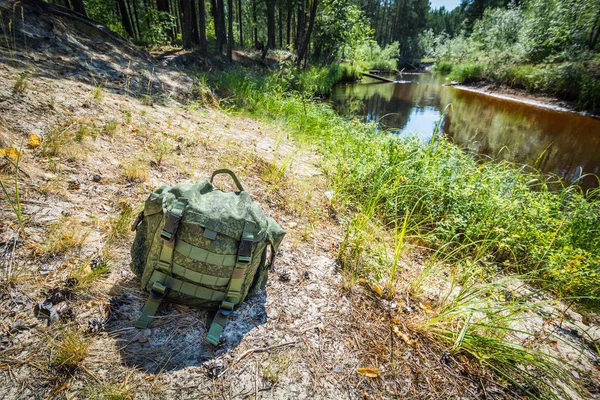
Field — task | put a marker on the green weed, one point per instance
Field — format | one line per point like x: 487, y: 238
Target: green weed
x: 21, y: 83
x: 98, y: 93
x: 443, y: 67
x: 14, y: 200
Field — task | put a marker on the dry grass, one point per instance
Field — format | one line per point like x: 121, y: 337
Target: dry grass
x: 135, y: 171
x: 68, y: 233
x: 408, y: 364
x: 69, y: 350
x: 120, y: 226
x: 277, y: 364
x: 108, y: 392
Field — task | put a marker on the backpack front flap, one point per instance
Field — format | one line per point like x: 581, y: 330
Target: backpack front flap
x: 200, y: 246
x: 204, y: 249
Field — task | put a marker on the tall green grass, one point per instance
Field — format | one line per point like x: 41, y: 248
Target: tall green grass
x: 458, y: 200
x: 496, y: 225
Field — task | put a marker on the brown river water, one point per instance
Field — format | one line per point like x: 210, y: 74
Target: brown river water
x: 557, y: 142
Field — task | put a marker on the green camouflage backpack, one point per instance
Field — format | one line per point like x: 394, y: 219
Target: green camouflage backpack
x: 199, y: 246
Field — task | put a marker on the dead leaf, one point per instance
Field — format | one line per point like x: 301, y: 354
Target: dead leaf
x: 369, y: 372
x: 402, y: 335
x: 10, y: 152
x: 34, y: 141
x: 378, y: 289
x: 94, y: 303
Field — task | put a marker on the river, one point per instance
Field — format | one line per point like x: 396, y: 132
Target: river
x: 557, y: 142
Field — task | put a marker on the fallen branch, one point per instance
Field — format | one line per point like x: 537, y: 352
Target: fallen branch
x: 256, y: 350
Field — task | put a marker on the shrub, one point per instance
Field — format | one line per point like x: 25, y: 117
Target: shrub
x: 467, y: 73
x: 443, y: 67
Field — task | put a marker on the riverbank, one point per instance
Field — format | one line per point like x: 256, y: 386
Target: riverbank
x: 569, y: 85
x: 486, y: 228
x: 522, y: 96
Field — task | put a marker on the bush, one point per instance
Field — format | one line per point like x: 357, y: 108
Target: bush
x: 443, y: 67
x: 370, y: 56
x: 467, y: 73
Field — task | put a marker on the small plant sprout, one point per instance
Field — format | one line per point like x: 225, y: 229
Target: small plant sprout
x: 21, y: 82
x: 14, y: 200
x: 161, y: 148
x: 110, y: 127
x: 98, y: 93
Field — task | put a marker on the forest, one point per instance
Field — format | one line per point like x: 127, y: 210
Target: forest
x: 548, y: 46
x: 413, y: 265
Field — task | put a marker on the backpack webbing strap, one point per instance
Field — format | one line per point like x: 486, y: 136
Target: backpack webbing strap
x: 158, y: 287
x: 205, y: 256
x: 187, y: 288
x: 197, y: 277
x: 234, y: 291
x: 157, y: 294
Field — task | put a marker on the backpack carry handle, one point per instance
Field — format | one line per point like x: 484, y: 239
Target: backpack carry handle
x: 231, y: 174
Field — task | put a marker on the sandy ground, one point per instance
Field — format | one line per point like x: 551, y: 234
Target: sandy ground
x: 111, y: 124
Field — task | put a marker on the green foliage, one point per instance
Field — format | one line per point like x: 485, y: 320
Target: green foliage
x: 467, y: 73
x: 542, y: 47
x: 103, y: 11
x: 369, y: 55
x: 443, y: 67
x: 556, y: 28
x: 342, y: 28
x: 458, y: 199
x: 499, y: 29
x: 21, y: 82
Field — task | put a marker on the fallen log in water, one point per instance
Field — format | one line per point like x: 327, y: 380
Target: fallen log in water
x: 381, y: 78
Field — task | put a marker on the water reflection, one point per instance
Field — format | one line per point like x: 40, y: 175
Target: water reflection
x: 562, y: 143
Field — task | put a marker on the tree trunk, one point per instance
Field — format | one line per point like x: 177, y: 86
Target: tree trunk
x: 230, y: 30
x: 255, y: 22
x: 223, y: 40
x: 186, y: 25
x: 289, y: 24
x: 125, y: 17
x: 270, y: 24
x: 280, y: 9
x: 216, y: 10
x: 78, y: 7
x: 195, y: 37
x: 306, y: 40
x: 239, y: 11
x: 136, y: 19
x: 299, y: 24
x: 202, y: 27
x: 175, y: 7
x: 387, y: 21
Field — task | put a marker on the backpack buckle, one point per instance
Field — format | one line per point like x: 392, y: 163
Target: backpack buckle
x: 170, y: 229
x: 158, y: 291
x: 226, y: 307
x: 244, y: 255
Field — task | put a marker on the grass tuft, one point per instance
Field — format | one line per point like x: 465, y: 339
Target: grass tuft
x: 21, y: 83
x: 69, y: 350
x: 135, y: 171
x: 68, y: 233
